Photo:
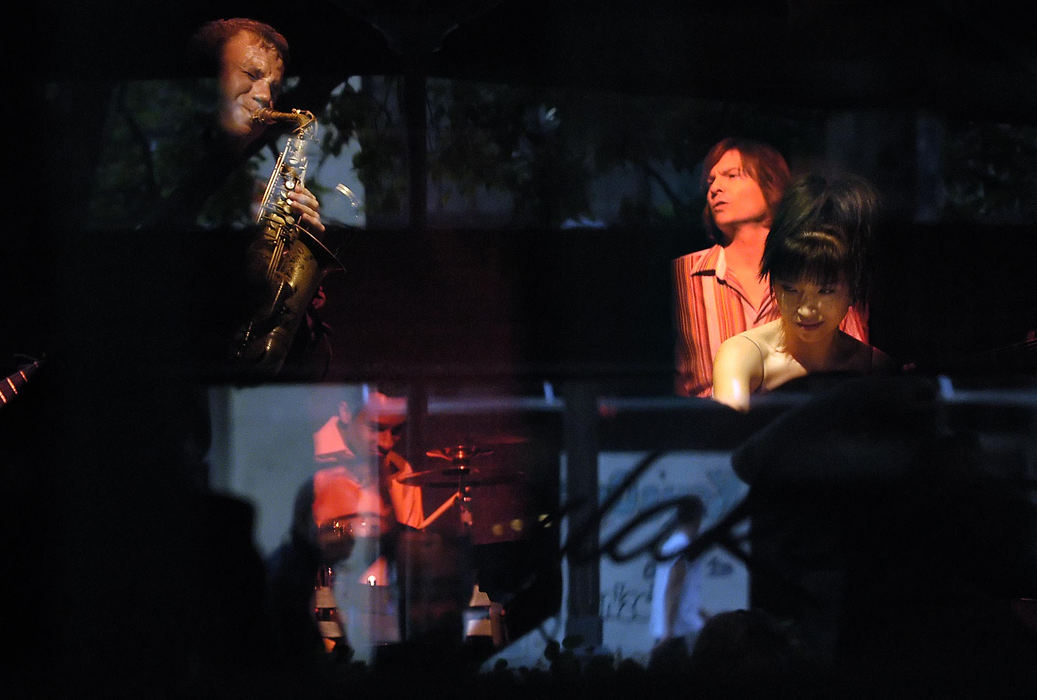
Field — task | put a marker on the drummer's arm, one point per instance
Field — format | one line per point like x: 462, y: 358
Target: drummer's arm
x: 406, y: 499
x: 444, y: 507
x: 409, y: 506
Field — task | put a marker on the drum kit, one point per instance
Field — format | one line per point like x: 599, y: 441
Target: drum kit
x: 462, y: 475
x: 338, y: 534
x: 436, y: 574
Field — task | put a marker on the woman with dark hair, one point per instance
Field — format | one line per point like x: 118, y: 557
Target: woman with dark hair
x: 817, y: 260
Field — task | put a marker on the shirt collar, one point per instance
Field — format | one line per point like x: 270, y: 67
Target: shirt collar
x: 328, y: 445
x: 721, y: 266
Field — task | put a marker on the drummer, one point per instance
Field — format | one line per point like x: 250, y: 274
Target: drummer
x: 359, y: 505
x: 360, y: 469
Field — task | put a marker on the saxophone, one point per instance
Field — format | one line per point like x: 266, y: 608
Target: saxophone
x: 285, y: 261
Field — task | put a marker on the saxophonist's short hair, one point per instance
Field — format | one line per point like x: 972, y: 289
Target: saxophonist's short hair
x: 206, y: 46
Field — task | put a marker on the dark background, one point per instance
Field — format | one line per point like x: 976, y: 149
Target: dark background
x: 105, y: 542
x: 961, y: 56
x: 544, y: 303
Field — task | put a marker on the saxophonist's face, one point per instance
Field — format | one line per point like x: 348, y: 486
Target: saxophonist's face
x: 251, y: 73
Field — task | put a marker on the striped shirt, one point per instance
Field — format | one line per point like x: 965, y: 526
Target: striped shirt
x: 710, y: 306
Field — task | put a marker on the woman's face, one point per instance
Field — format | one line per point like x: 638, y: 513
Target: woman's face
x: 811, y: 311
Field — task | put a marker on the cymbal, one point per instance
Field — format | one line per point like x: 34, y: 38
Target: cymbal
x: 475, y: 447
x: 458, y: 453
x: 455, y: 477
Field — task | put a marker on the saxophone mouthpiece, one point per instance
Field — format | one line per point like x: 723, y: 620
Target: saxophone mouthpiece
x: 270, y: 116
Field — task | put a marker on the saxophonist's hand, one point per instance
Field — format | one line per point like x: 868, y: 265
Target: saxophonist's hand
x: 305, y: 204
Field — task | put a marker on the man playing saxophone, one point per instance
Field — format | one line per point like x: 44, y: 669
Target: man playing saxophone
x: 249, y: 59
x: 215, y: 195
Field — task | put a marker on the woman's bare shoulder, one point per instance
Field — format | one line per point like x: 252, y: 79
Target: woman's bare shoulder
x: 767, y: 335
x: 745, y: 342
x: 738, y: 370
x: 737, y: 349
